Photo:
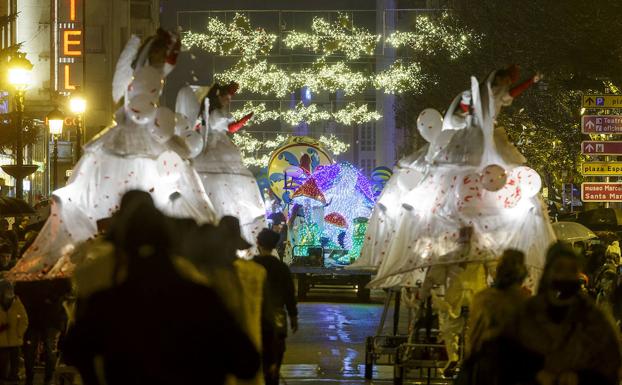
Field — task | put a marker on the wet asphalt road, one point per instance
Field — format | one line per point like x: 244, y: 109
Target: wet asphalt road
x: 329, y: 348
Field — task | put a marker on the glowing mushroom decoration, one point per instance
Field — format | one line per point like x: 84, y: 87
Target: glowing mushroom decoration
x: 336, y: 220
x: 309, y: 189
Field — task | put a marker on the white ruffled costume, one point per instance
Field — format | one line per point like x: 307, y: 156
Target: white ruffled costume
x: 388, y: 210
x: 134, y: 153
x: 448, y: 217
x: 230, y: 186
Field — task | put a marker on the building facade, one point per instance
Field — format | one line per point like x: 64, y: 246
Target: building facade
x: 378, y: 143
x: 73, y: 46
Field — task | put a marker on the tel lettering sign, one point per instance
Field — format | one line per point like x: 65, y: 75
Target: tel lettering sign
x: 69, y: 45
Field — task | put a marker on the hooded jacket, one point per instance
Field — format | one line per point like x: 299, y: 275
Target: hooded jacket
x: 13, y: 324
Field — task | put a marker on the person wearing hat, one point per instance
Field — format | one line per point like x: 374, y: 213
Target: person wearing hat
x: 279, y: 226
x: 6, y: 256
x: 558, y: 337
x: 494, y: 307
x: 279, y: 297
x: 13, y: 325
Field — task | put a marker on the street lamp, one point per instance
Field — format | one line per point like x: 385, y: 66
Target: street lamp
x: 19, y: 76
x: 77, y: 105
x: 55, y: 119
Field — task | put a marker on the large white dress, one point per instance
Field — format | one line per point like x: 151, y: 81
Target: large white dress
x: 230, y: 186
x: 124, y: 157
x: 386, y: 215
x: 449, y: 218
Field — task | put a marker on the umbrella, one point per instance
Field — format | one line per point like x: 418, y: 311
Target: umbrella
x: 13, y: 207
x: 606, y: 219
x: 572, y: 232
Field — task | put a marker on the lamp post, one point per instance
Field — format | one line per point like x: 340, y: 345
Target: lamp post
x: 77, y: 105
x: 19, y: 77
x: 55, y: 119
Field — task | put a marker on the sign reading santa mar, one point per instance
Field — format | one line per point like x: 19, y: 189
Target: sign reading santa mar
x: 601, y: 192
x: 69, y: 45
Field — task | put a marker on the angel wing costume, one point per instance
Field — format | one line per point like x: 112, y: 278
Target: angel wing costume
x: 123, y: 157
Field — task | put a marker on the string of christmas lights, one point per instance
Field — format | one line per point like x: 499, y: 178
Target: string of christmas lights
x: 399, y: 77
x: 353, y: 114
x: 338, y: 37
x: 302, y: 113
x: 350, y: 114
x: 259, y: 77
x: 256, y: 75
x: 260, y: 113
x: 257, y: 152
x: 235, y: 38
x: 430, y: 32
x: 332, y: 77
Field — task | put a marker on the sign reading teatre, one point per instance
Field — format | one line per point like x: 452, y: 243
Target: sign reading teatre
x: 601, y: 168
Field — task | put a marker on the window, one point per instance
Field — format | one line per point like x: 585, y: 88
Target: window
x: 94, y: 39
x: 367, y: 137
x: 140, y: 10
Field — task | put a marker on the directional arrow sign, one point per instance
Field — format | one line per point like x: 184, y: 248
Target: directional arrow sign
x: 602, y: 101
x: 601, y: 168
x: 601, y: 192
x: 601, y: 124
x: 601, y: 148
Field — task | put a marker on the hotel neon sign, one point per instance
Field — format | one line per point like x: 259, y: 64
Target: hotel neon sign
x: 69, y: 71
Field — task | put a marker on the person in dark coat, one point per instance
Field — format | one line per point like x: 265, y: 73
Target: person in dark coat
x: 154, y: 327
x: 558, y: 337
x: 279, y: 226
x: 279, y: 295
x: 44, y: 304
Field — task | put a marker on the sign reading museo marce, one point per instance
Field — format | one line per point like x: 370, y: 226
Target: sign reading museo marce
x: 601, y: 192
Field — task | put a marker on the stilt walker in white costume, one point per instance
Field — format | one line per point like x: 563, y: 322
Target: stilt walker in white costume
x: 133, y: 154
x: 474, y: 199
x: 231, y: 187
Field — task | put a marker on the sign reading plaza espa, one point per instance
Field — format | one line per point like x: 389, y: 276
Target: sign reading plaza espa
x: 601, y: 168
x: 69, y: 45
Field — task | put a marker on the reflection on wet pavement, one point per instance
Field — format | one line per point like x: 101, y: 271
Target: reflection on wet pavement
x: 330, y: 345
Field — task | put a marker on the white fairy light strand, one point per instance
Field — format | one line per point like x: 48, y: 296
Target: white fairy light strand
x: 256, y: 75
x: 429, y: 32
x: 353, y: 114
x: 332, y: 77
x: 348, y: 115
x: 337, y: 37
x: 257, y: 153
x: 399, y: 77
x: 237, y: 37
x: 302, y: 113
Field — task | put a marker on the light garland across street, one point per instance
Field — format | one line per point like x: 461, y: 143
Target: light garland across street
x: 331, y: 38
x: 257, y: 152
x: 337, y: 43
x: 348, y: 115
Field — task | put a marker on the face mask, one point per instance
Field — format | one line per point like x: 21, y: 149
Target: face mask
x: 565, y: 289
